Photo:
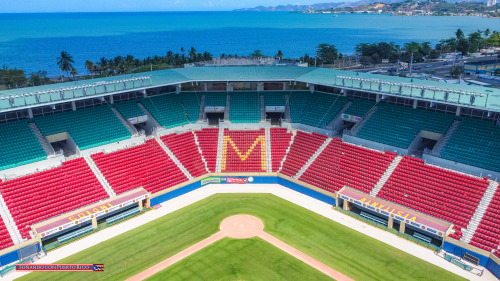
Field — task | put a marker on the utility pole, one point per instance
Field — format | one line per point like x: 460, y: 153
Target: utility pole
x: 411, y: 63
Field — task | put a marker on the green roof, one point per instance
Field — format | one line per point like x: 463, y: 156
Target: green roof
x: 389, y: 85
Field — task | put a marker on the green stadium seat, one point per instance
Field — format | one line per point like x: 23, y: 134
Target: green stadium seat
x: 298, y: 101
x: 274, y: 98
x: 89, y: 127
x: 321, y: 108
x: 215, y: 98
x: 245, y: 107
x: 129, y: 109
x: 19, y: 146
x: 167, y: 110
x: 359, y: 107
x: 474, y: 142
x: 191, y: 102
x: 398, y: 125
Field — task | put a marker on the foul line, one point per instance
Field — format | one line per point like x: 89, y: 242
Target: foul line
x: 325, y: 269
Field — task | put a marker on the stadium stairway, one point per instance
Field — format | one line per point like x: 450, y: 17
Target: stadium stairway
x: 220, y: 144
x: 262, y: 108
x: 287, y: 116
x: 100, y: 177
x: 130, y: 127
x: 184, y: 147
x: 269, y: 161
x: 331, y: 125
x: 357, y: 127
x: 386, y: 175
x: 150, y: 116
x: 199, y: 150
x: 480, y: 211
x: 441, y: 143
x: 201, y: 112
x: 313, y: 157
x: 9, y: 223
x: 227, y: 108
x: 303, y: 147
x: 49, y: 150
x: 172, y: 156
x: 207, y: 140
x: 294, y: 133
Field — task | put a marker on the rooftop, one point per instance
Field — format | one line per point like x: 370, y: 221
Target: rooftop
x: 482, y: 98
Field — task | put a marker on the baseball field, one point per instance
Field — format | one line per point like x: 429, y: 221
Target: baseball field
x: 356, y: 255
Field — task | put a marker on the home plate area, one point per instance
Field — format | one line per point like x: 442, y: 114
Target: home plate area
x: 241, y: 227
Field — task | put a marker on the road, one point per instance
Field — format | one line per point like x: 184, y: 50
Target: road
x: 440, y: 67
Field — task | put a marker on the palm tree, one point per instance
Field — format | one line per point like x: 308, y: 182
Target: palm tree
x: 192, y: 53
x: 89, y: 66
x: 279, y: 55
x: 65, y: 62
x: 73, y: 72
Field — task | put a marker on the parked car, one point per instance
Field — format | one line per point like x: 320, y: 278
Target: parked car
x: 428, y: 66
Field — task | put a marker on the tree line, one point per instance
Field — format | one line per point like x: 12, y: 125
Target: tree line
x: 368, y: 53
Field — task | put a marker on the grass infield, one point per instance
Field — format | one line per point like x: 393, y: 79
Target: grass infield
x: 240, y: 259
x: 352, y: 253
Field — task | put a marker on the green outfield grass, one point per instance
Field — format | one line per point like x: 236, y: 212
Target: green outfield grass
x: 354, y: 254
x: 247, y: 259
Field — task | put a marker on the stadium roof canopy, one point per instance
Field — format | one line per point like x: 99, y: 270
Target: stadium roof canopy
x: 463, y: 95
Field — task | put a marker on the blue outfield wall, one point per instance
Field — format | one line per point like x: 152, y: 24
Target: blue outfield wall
x: 459, y: 251
x: 254, y: 180
x: 306, y: 191
x: 487, y: 262
x: 493, y: 267
x: 14, y: 256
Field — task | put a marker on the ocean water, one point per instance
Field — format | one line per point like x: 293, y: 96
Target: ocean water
x: 33, y: 41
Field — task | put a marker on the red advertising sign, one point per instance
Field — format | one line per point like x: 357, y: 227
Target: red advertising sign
x: 236, y: 180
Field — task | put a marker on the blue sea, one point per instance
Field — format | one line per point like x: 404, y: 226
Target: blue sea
x: 33, y: 41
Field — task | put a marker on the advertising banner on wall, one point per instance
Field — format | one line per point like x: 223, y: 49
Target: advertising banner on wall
x: 275, y: 109
x: 350, y: 118
x: 226, y: 180
x: 215, y: 108
x: 139, y: 119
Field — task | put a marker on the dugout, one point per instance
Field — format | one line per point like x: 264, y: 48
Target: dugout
x: 81, y: 222
x: 404, y: 222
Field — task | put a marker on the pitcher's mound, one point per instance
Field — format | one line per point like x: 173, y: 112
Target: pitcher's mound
x: 242, y: 226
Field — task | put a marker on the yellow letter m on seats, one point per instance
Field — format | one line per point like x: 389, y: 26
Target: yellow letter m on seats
x: 244, y: 157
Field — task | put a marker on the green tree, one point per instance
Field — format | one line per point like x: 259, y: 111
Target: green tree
x: 192, y: 53
x: 73, y: 72
x: 89, y: 66
x: 434, y: 54
x: 493, y: 40
x: 279, y: 55
x: 459, y: 34
x: 257, y: 54
x: 38, y: 78
x: 487, y: 32
x: 12, y: 77
x: 326, y: 53
x: 456, y: 71
x: 476, y: 42
x: 463, y: 46
x: 65, y: 62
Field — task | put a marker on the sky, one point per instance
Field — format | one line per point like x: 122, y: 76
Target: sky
x: 44, y: 6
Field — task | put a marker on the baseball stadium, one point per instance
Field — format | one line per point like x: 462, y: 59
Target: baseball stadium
x: 251, y: 173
